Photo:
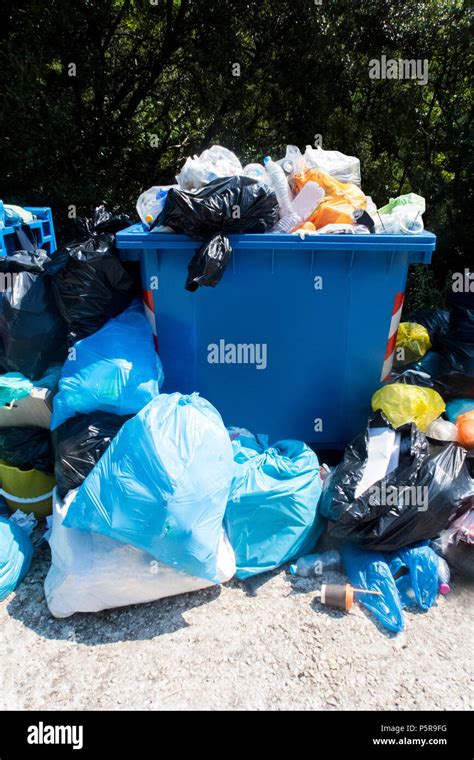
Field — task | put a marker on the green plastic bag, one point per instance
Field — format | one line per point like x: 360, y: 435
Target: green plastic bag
x: 13, y: 387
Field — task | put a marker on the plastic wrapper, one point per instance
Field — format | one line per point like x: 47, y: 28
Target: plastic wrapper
x: 405, y: 578
x: 27, y: 448
x: 414, y: 502
x: 465, y: 428
x: 90, y: 283
x: 16, y: 552
x: 230, y: 205
x: 32, y: 331
x: 413, y: 341
x: 79, y: 444
x: 339, y: 203
x: 115, y: 370
x: 402, y: 215
x: 90, y: 572
x: 401, y: 404
x: 163, y: 485
x: 442, y: 430
x: 343, y: 168
x: 214, y: 163
x: 272, y: 517
x: 151, y: 202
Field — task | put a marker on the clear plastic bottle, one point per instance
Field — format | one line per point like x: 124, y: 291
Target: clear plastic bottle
x: 280, y: 185
x: 307, y: 200
x: 316, y: 564
x: 444, y: 576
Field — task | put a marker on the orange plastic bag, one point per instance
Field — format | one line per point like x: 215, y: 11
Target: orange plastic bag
x: 340, y: 201
x: 465, y: 426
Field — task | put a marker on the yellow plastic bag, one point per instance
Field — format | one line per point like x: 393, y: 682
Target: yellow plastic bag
x: 340, y: 201
x: 465, y: 426
x: 413, y: 341
x: 402, y: 403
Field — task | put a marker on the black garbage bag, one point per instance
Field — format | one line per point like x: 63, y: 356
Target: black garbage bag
x: 32, y: 331
x: 458, y: 340
x: 27, y: 448
x: 79, y: 444
x: 454, y: 385
x: 90, y: 283
x: 414, y: 502
x: 228, y: 205
x: 436, y: 322
x: 412, y: 377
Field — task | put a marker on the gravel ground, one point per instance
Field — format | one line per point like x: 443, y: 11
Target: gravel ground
x: 263, y: 644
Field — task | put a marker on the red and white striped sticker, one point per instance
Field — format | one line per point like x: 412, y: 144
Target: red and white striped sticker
x: 392, y: 335
x: 149, y: 308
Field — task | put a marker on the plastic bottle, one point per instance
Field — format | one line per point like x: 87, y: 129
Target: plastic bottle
x: 280, y: 185
x: 307, y: 200
x: 444, y: 576
x: 315, y: 564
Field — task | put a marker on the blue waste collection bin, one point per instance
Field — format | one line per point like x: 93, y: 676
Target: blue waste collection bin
x: 295, y: 338
x: 42, y: 229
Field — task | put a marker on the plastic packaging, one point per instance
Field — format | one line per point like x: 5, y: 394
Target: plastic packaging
x: 32, y: 331
x: 256, y: 172
x: 316, y: 564
x: 301, y: 208
x: 457, y: 407
x: 90, y: 283
x: 235, y: 204
x: 402, y: 404
x: 151, y: 202
x: 413, y: 341
x: 214, y: 163
x: 90, y: 572
x: 280, y: 186
x: 465, y: 428
x: 343, y: 168
x: 27, y: 447
x: 444, y: 576
x: 272, y: 514
x: 442, y: 430
x: 16, y: 551
x: 163, y: 485
x: 115, y: 370
x: 79, y: 444
x: 340, y: 201
x: 293, y: 163
x: 402, y: 215
x: 412, y: 502
x: 13, y: 387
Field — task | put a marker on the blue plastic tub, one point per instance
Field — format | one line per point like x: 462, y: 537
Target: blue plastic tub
x: 295, y: 338
x: 42, y: 228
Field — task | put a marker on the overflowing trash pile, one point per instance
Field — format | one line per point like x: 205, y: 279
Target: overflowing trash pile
x: 147, y: 494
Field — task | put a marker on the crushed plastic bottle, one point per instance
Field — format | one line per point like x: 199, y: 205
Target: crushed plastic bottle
x: 280, y: 185
x: 307, y: 200
x: 316, y: 564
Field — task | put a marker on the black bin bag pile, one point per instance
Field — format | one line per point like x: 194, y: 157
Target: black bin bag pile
x: 229, y: 205
x: 91, y: 285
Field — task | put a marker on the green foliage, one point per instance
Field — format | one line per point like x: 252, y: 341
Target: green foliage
x: 154, y: 82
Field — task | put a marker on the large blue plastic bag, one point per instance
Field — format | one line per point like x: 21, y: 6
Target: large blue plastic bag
x: 114, y: 370
x: 16, y: 551
x: 272, y: 514
x: 417, y: 581
x: 163, y: 485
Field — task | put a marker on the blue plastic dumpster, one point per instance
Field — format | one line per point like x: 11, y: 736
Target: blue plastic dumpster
x: 297, y: 335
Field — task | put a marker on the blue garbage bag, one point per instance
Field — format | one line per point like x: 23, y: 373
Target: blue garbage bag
x: 114, y: 370
x: 458, y: 406
x: 405, y: 578
x: 16, y: 551
x: 163, y: 485
x: 272, y: 515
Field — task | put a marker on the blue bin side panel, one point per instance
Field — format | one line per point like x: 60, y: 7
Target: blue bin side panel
x: 300, y: 335
x: 42, y: 229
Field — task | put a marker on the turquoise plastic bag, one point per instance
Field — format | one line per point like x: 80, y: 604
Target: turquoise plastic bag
x: 13, y: 387
x: 163, y: 485
x: 272, y: 515
x: 16, y: 551
x: 404, y: 578
x: 458, y: 406
x: 114, y: 370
